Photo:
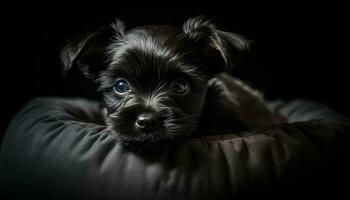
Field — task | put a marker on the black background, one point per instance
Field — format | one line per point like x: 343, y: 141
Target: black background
x: 298, y: 49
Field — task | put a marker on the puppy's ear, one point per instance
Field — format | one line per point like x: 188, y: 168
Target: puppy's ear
x: 221, y: 50
x: 89, y: 52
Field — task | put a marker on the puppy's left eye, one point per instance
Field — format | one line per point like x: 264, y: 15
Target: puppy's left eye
x: 180, y: 86
x: 121, y: 86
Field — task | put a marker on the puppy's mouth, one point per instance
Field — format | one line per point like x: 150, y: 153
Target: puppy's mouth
x: 148, y: 128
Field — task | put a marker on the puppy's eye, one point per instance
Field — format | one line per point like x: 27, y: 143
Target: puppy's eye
x: 180, y: 86
x: 121, y: 86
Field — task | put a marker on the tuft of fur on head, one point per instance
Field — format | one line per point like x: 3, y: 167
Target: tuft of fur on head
x: 119, y: 29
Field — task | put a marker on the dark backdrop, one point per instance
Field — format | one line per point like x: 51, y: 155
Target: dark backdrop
x: 298, y: 49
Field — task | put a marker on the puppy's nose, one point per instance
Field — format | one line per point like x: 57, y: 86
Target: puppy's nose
x: 147, y: 122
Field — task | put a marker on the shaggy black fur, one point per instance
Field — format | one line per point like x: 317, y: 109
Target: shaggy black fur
x: 169, y: 80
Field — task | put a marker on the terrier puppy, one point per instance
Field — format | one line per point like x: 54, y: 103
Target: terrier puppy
x: 160, y: 83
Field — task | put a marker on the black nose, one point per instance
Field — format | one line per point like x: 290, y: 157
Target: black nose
x: 147, y: 122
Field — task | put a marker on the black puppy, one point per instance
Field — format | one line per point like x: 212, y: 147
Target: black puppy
x: 160, y: 83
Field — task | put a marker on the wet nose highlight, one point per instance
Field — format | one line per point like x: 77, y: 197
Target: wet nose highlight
x: 146, y: 122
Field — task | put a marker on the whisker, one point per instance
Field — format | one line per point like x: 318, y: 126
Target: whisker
x: 160, y: 86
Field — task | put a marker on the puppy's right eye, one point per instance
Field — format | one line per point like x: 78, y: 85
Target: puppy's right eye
x: 121, y: 86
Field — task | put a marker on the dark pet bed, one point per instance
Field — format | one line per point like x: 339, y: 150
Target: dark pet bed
x: 55, y: 148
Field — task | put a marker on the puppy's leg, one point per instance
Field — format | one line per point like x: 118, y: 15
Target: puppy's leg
x: 233, y: 106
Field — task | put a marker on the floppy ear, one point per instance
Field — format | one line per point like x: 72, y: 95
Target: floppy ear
x: 221, y: 49
x: 89, y: 52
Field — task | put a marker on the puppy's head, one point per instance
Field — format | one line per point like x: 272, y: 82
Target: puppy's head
x: 154, y: 78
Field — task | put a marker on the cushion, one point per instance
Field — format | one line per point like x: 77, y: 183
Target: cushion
x: 58, y: 148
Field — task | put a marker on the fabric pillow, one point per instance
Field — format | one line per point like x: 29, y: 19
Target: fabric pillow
x: 58, y: 148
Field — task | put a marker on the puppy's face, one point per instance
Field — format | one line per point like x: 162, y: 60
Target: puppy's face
x: 153, y: 91
x: 154, y: 78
